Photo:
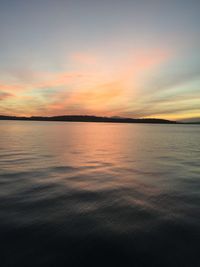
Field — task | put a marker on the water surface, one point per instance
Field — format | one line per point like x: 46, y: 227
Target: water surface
x: 99, y: 194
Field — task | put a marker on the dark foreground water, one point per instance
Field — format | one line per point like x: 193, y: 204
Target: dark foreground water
x: 87, y: 194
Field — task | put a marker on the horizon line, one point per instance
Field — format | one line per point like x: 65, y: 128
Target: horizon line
x: 95, y: 118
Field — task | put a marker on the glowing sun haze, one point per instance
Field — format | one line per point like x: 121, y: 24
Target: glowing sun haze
x: 109, y: 58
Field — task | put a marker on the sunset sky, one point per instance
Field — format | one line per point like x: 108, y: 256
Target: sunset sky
x: 130, y: 58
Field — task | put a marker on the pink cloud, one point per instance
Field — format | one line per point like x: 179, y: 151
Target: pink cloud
x: 5, y: 95
x: 98, y: 86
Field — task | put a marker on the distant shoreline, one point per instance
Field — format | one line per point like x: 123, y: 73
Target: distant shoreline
x: 87, y: 118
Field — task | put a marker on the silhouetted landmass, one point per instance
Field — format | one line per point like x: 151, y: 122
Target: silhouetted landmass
x: 86, y: 118
x: 191, y: 122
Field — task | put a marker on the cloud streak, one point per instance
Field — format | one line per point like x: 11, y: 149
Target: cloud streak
x: 125, y: 86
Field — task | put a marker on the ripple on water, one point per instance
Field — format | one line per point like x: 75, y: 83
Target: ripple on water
x: 129, y: 198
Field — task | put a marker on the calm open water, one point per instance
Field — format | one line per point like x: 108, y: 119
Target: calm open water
x: 89, y: 194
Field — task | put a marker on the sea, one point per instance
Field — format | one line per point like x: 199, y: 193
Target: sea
x: 99, y: 194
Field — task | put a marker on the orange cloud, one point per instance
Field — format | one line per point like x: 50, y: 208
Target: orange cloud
x: 96, y: 85
x: 11, y: 88
x: 98, y: 97
x: 4, y: 95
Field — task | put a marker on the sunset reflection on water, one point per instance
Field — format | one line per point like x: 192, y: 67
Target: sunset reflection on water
x: 129, y: 191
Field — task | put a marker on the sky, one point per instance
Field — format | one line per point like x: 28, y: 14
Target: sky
x: 130, y: 58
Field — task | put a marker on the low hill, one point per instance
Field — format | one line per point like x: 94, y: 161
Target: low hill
x: 86, y: 118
